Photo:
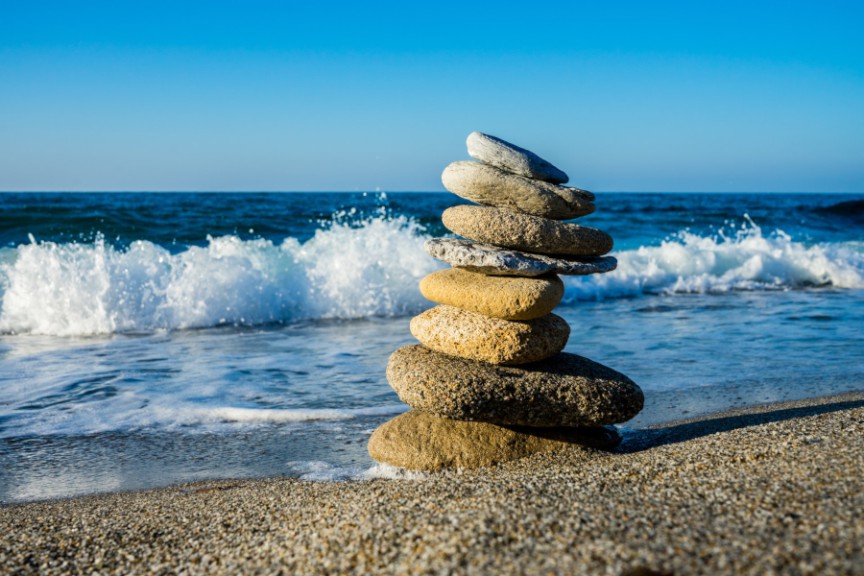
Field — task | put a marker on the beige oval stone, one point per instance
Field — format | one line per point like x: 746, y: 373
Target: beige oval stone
x: 419, y: 441
x: 492, y: 186
x: 525, y: 232
x: 564, y: 390
x: 465, y: 334
x: 507, y: 297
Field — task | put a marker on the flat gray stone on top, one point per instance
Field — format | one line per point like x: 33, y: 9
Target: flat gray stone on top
x: 488, y: 259
x: 564, y: 390
x: 485, y: 184
x: 497, y: 152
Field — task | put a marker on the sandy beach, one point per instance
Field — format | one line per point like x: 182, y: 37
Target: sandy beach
x: 775, y: 489
x: 347, y: 288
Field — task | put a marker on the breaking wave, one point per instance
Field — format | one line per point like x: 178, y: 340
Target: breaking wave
x: 346, y: 270
x: 354, y: 270
x: 743, y: 260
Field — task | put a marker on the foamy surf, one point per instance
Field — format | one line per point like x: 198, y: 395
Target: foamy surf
x: 745, y: 260
x: 388, y: 472
x: 171, y: 413
x: 343, y: 271
x: 267, y: 415
x: 354, y: 270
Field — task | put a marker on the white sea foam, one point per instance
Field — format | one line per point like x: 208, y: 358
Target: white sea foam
x: 746, y: 259
x: 356, y: 270
x: 389, y: 472
x: 169, y: 412
x: 343, y: 271
x: 319, y: 471
x: 263, y: 415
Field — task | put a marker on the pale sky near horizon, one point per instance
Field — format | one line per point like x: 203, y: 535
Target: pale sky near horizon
x: 624, y: 96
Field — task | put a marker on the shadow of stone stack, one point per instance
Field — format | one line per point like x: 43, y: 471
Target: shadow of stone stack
x: 490, y: 382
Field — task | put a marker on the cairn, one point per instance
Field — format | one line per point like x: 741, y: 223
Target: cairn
x: 489, y: 381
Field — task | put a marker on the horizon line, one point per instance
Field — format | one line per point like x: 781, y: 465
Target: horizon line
x: 252, y: 191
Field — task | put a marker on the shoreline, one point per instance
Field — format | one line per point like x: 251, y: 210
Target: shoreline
x: 270, y: 452
x: 774, y: 487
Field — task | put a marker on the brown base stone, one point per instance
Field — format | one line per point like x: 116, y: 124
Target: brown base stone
x: 420, y: 441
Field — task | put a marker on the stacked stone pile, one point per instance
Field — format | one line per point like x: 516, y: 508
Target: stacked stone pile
x: 490, y: 382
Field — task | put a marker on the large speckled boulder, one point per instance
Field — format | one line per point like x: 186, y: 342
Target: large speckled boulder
x: 420, y: 441
x: 471, y: 335
x: 507, y: 297
x: 564, y: 390
x: 488, y: 259
x: 494, y: 187
x: 502, y: 154
x: 525, y: 232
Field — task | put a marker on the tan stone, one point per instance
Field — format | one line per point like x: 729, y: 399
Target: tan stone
x: 525, y: 232
x: 420, y: 441
x: 465, y: 334
x: 492, y: 186
x: 506, y: 297
x: 564, y: 390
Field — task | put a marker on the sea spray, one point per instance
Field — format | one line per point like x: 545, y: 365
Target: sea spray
x: 359, y: 272
x: 346, y: 270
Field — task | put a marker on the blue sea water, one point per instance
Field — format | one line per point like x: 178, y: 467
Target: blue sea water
x: 153, y: 338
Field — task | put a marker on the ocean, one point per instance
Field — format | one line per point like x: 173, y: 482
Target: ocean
x: 148, y: 339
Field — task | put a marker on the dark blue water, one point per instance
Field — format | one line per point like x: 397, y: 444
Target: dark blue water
x: 147, y: 339
x: 179, y: 220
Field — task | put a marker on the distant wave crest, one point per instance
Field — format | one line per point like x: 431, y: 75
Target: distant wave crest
x: 743, y: 259
x: 354, y: 270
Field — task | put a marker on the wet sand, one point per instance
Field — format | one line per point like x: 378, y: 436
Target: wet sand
x: 771, y: 489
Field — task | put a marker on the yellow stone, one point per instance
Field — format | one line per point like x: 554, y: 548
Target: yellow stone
x: 507, y: 297
x: 465, y: 334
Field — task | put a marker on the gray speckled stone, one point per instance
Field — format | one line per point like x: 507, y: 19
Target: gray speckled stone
x: 525, y: 232
x: 488, y: 259
x: 564, y: 390
x: 502, y: 154
x: 492, y: 186
x: 420, y: 441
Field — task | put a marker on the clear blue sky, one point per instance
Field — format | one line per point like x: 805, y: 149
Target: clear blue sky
x: 253, y: 95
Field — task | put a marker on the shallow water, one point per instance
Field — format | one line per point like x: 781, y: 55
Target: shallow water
x: 147, y: 359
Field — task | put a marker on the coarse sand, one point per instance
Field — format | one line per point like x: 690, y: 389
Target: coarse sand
x: 774, y: 489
